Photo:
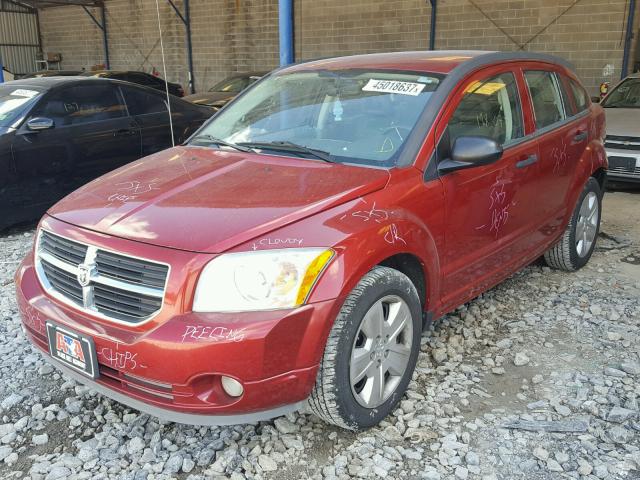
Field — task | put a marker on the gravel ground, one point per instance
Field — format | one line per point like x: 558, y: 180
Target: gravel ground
x: 537, y: 379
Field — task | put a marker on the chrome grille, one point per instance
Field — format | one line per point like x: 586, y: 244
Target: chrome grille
x: 63, y: 282
x: 622, y: 143
x: 131, y: 270
x: 63, y: 249
x: 123, y: 304
x: 114, y: 286
x: 625, y: 172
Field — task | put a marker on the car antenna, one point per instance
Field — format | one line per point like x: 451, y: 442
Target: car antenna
x: 166, y: 83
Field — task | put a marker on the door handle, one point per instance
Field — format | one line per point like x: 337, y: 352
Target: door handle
x: 580, y: 136
x: 527, y: 161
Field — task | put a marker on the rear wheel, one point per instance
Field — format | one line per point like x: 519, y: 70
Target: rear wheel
x: 371, y: 352
x: 574, y: 249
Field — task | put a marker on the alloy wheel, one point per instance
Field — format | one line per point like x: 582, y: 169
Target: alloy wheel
x: 381, y: 351
x: 587, y: 224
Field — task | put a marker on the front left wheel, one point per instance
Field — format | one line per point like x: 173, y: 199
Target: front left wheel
x: 371, y: 352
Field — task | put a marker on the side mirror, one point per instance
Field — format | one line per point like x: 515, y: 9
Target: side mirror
x: 471, y: 151
x: 39, y: 123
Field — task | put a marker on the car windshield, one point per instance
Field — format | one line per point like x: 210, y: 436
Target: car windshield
x: 625, y: 95
x: 348, y: 116
x: 15, y: 101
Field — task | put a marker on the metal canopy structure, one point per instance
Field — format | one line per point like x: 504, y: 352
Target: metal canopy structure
x: 20, y: 41
x: 184, y: 16
x: 186, y: 20
x: 85, y: 4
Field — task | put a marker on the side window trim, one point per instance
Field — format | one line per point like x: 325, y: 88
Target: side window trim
x: 556, y: 82
x: 66, y: 88
x: 569, y: 95
x: 563, y: 95
x: 121, y: 97
x: 138, y: 89
x: 441, y: 150
x: 574, y: 87
x: 517, y: 98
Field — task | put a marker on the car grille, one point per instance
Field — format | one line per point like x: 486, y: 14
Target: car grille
x: 625, y: 171
x: 622, y: 143
x: 114, y: 286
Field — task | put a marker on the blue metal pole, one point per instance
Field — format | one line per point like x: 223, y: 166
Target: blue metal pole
x: 187, y: 29
x: 105, y: 37
x: 285, y: 24
x: 1, y: 71
x: 627, y: 39
x: 432, y: 30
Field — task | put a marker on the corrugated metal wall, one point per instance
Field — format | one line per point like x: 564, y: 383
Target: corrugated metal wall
x: 19, y: 39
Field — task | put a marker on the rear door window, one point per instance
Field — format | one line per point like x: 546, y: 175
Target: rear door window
x: 579, y: 95
x: 546, y: 95
x: 81, y: 104
x: 489, y: 108
x: 140, y: 102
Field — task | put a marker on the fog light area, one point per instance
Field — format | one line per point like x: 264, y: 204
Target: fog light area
x: 232, y: 386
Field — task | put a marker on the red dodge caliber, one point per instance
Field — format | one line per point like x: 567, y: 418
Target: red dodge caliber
x: 291, y: 253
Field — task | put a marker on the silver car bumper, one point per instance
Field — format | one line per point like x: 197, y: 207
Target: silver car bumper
x: 624, y: 165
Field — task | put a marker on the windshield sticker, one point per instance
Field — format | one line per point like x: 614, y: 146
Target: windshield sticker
x: 393, y: 86
x: 21, y: 92
x: 487, y: 88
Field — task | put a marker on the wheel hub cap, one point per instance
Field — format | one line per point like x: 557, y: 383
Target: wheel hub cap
x: 380, y: 353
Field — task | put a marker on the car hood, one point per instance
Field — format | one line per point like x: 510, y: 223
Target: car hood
x: 624, y: 122
x: 208, y: 98
x: 206, y: 200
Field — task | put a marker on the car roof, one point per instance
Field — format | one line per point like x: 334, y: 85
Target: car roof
x: 49, y: 83
x: 108, y: 73
x: 435, y: 61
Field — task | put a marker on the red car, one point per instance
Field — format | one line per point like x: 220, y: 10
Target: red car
x: 291, y: 253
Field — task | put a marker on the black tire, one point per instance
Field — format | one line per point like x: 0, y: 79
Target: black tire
x: 332, y: 398
x: 564, y: 254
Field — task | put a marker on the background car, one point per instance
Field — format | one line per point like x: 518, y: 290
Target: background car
x: 53, y: 73
x: 58, y: 133
x: 141, y: 78
x: 225, y: 91
x: 622, y: 108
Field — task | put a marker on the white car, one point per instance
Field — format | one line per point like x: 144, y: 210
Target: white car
x: 622, y: 108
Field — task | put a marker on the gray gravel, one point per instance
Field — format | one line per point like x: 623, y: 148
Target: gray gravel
x: 537, y: 379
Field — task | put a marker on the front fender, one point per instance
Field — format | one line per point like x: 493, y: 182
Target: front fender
x: 406, y: 217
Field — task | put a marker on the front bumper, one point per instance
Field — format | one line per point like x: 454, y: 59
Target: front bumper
x: 172, y: 367
x: 619, y: 173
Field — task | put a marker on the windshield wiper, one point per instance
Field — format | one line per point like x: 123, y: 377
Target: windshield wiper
x: 211, y: 139
x: 290, y: 147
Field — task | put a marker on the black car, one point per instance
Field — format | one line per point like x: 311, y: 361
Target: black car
x: 141, y: 78
x: 225, y: 91
x: 58, y: 133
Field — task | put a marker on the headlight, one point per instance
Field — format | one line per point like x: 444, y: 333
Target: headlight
x: 262, y: 280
